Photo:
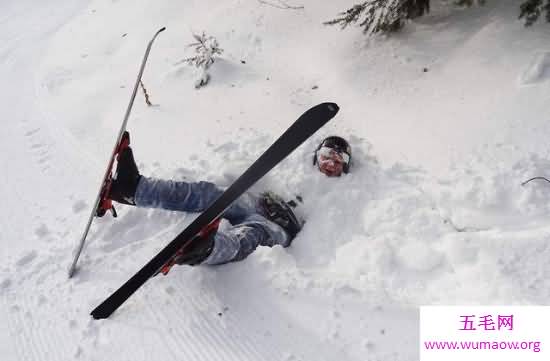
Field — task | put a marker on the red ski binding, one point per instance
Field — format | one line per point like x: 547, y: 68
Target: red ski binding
x: 203, y: 234
x: 105, y: 203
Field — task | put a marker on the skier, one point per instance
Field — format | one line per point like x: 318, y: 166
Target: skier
x: 255, y: 220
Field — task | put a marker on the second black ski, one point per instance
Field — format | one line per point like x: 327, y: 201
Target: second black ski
x: 306, y: 125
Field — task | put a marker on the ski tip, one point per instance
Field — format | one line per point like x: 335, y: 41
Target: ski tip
x: 71, y: 271
x: 98, y: 314
x: 162, y: 29
x: 332, y: 107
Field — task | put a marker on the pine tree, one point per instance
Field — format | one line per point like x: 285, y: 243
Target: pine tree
x: 206, y: 48
x: 382, y: 16
x: 386, y: 16
x: 530, y: 10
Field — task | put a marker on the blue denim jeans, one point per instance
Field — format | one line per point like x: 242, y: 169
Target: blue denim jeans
x: 249, y: 228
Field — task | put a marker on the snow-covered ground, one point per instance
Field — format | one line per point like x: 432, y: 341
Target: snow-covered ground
x: 445, y: 119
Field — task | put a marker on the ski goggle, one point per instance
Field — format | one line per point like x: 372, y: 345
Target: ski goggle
x: 325, y: 154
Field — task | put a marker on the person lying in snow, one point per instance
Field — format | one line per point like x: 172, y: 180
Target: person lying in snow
x: 256, y: 220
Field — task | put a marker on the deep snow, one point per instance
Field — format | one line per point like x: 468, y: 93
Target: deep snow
x: 433, y: 212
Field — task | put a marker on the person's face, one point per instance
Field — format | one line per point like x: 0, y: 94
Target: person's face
x: 330, y: 162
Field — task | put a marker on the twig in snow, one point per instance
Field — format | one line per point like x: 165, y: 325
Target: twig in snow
x: 145, y: 93
x: 527, y: 181
x: 448, y: 220
x: 281, y: 5
x: 467, y: 229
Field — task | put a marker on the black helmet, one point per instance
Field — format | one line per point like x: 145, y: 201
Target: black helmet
x: 340, y: 145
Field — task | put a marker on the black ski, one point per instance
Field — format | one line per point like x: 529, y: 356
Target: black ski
x: 302, y: 129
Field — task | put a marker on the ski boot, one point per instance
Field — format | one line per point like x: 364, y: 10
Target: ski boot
x: 122, y: 186
x: 125, y: 179
x: 280, y: 212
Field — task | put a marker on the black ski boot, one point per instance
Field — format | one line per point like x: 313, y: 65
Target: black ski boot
x: 198, y: 251
x: 280, y: 212
x: 126, y: 178
x: 200, y: 247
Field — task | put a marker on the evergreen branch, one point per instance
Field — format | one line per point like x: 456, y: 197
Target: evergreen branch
x: 386, y: 16
x: 382, y: 15
x: 530, y: 10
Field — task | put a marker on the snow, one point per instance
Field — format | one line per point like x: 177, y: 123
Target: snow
x: 446, y: 120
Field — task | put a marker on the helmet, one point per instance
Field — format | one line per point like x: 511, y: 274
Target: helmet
x: 338, y: 144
